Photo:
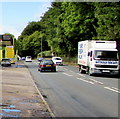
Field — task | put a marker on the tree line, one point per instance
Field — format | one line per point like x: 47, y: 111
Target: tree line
x: 67, y: 23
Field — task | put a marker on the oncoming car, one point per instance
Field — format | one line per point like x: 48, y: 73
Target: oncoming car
x: 28, y: 59
x: 57, y: 60
x: 47, y: 65
x: 5, y: 62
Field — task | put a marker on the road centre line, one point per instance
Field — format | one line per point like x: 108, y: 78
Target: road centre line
x: 67, y: 74
x: 96, y: 81
x: 80, y: 74
x: 71, y: 71
x: 65, y: 69
x: 114, y: 90
x: 85, y: 81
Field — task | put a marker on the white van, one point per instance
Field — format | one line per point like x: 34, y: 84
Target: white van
x: 28, y: 59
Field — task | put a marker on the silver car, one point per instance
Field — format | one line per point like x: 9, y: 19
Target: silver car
x: 5, y: 62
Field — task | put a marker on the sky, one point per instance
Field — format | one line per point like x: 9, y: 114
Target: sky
x: 15, y: 16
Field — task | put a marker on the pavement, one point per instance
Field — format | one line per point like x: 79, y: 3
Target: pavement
x: 20, y: 96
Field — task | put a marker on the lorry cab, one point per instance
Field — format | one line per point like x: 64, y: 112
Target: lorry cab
x: 98, y: 57
x: 103, y: 61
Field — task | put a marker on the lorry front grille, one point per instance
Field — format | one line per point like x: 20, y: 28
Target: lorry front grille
x: 106, y: 66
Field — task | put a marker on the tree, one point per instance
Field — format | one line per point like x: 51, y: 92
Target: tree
x: 108, y: 15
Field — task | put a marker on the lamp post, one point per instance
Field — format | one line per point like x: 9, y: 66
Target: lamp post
x: 41, y: 46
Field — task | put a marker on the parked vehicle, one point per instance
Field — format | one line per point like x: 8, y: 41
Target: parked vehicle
x: 23, y: 58
x: 57, y: 60
x: 12, y: 60
x: 47, y: 65
x: 5, y: 62
x: 40, y: 59
x: 28, y: 59
x: 98, y: 57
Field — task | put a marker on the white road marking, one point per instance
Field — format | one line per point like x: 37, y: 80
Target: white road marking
x: 80, y: 74
x: 96, y: 81
x: 85, y: 81
x: 67, y: 74
x: 114, y: 90
x: 65, y: 69
x: 71, y: 71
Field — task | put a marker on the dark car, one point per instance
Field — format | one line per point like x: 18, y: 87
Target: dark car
x: 47, y: 65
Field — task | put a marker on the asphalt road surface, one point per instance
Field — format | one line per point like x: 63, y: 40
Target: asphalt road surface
x: 71, y: 94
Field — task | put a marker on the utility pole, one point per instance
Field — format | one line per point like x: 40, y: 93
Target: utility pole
x: 41, y: 46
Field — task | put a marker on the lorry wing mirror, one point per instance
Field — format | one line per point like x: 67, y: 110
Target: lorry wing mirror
x: 88, y: 53
x: 91, y: 56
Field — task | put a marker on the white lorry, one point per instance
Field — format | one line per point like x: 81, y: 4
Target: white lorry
x: 98, y: 57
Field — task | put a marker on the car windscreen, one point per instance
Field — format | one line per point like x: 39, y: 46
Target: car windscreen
x: 47, y: 62
x: 5, y: 59
x: 28, y: 57
x: 57, y: 59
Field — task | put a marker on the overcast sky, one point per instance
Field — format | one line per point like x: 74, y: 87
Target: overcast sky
x: 14, y: 16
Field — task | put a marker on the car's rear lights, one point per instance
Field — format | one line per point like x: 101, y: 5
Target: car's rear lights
x: 41, y: 65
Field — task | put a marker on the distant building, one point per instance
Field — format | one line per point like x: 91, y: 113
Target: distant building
x: 6, y: 46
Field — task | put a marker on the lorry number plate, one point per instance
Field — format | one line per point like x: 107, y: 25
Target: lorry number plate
x: 106, y: 71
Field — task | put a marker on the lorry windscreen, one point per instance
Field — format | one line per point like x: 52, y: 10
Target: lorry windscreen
x: 106, y: 55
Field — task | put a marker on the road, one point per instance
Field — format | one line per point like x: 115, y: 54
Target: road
x: 71, y: 94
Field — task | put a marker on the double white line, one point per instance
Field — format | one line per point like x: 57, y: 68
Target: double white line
x: 85, y: 80
x: 113, y: 89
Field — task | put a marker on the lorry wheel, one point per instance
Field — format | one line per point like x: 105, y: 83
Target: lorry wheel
x: 80, y: 70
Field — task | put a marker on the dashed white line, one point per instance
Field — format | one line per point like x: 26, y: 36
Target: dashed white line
x: 80, y: 74
x: 65, y: 69
x: 114, y: 90
x: 67, y: 74
x: 85, y: 81
x: 71, y: 71
x: 96, y: 81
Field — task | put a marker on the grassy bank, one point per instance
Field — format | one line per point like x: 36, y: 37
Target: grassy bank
x: 70, y: 61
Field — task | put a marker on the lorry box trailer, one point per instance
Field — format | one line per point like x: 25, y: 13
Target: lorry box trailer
x: 98, y: 57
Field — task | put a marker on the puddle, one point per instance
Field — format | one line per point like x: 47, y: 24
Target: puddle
x: 8, y: 115
x: 11, y: 110
x: 20, y: 66
x: 7, y: 109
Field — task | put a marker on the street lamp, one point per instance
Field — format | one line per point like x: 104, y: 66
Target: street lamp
x: 41, y: 46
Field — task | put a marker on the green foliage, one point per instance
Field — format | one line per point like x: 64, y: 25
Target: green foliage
x: 31, y: 28
x: 44, y: 53
x: 108, y: 15
x: 66, y: 23
x: 32, y: 43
